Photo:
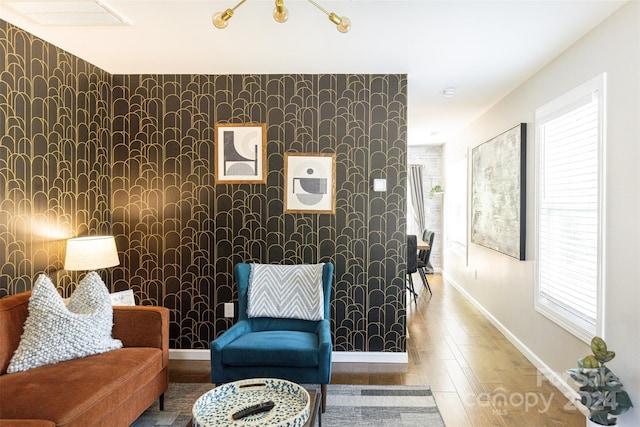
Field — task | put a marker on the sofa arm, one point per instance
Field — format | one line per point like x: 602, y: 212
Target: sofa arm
x: 142, y: 326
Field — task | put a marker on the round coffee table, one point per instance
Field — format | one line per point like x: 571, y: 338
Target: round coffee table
x: 215, y: 407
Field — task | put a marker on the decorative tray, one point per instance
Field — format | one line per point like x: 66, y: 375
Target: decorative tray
x: 215, y: 407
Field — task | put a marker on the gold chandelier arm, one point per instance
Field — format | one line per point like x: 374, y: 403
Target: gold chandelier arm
x: 238, y: 5
x: 319, y: 7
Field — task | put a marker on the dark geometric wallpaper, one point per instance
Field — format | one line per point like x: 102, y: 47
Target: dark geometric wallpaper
x: 55, y: 157
x: 84, y: 152
x: 184, y: 233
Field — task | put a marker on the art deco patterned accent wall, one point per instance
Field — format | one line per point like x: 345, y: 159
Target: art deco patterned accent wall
x: 184, y: 232
x: 55, y: 161
x: 83, y: 152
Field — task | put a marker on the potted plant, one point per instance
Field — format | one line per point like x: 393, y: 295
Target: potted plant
x: 600, y: 389
x: 437, y: 189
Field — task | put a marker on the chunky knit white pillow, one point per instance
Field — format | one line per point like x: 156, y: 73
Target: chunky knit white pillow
x: 54, y: 332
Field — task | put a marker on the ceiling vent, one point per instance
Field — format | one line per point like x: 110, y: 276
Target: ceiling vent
x: 67, y: 13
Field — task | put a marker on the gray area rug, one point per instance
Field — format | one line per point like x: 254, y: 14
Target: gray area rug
x: 347, y: 405
x: 380, y: 406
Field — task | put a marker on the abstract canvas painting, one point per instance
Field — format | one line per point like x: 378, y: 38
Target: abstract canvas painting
x: 498, y: 193
x: 309, y: 182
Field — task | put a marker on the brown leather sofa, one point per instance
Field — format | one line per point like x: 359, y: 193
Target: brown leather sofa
x: 109, y: 389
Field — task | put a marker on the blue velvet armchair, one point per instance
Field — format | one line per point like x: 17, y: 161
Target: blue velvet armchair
x: 261, y: 347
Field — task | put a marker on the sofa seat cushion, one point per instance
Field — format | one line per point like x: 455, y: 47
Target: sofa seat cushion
x: 79, y: 391
x: 275, y: 348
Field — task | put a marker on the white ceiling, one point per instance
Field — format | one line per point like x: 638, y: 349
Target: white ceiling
x: 483, y: 48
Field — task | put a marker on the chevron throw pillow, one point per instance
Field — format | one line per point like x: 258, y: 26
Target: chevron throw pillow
x: 54, y: 332
x: 286, y: 291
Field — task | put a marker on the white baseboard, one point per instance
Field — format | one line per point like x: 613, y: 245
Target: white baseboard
x: 369, y: 357
x: 178, y: 354
x: 337, y: 356
x: 553, y: 377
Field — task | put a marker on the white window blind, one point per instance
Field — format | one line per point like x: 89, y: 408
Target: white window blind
x: 569, y: 134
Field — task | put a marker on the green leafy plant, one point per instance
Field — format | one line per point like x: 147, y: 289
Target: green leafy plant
x: 600, y: 389
x: 435, y: 189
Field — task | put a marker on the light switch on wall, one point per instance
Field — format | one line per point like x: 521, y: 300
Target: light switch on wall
x: 228, y: 309
x: 379, y: 184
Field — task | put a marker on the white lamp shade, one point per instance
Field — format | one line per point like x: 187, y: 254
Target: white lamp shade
x: 91, y: 253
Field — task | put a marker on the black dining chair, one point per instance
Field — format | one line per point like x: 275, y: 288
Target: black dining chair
x: 422, y: 253
x: 425, y: 237
x: 423, y: 259
x: 412, y: 264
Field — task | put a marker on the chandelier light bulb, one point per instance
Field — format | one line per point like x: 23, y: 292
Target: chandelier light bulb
x: 221, y: 19
x: 280, y: 12
x: 218, y: 22
x: 345, y: 25
x: 280, y: 16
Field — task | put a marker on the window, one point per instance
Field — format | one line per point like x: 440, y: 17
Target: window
x: 569, y: 209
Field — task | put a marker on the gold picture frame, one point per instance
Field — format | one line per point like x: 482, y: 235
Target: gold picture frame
x: 240, y: 153
x: 310, y: 183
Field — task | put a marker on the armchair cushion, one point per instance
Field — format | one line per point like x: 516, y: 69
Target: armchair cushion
x: 275, y: 348
x: 286, y: 291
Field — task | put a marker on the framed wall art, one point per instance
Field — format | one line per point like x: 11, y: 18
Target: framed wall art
x: 240, y: 153
x: 310, y: 182
x: 498, y: 175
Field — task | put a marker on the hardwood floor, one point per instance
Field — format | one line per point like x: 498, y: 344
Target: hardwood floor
x: 478, y: 378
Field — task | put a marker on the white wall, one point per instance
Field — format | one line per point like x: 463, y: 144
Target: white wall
x: 430, y: 156
x: 504, y: 286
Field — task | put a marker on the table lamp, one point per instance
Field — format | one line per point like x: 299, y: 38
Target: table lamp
x: 91, y: 253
